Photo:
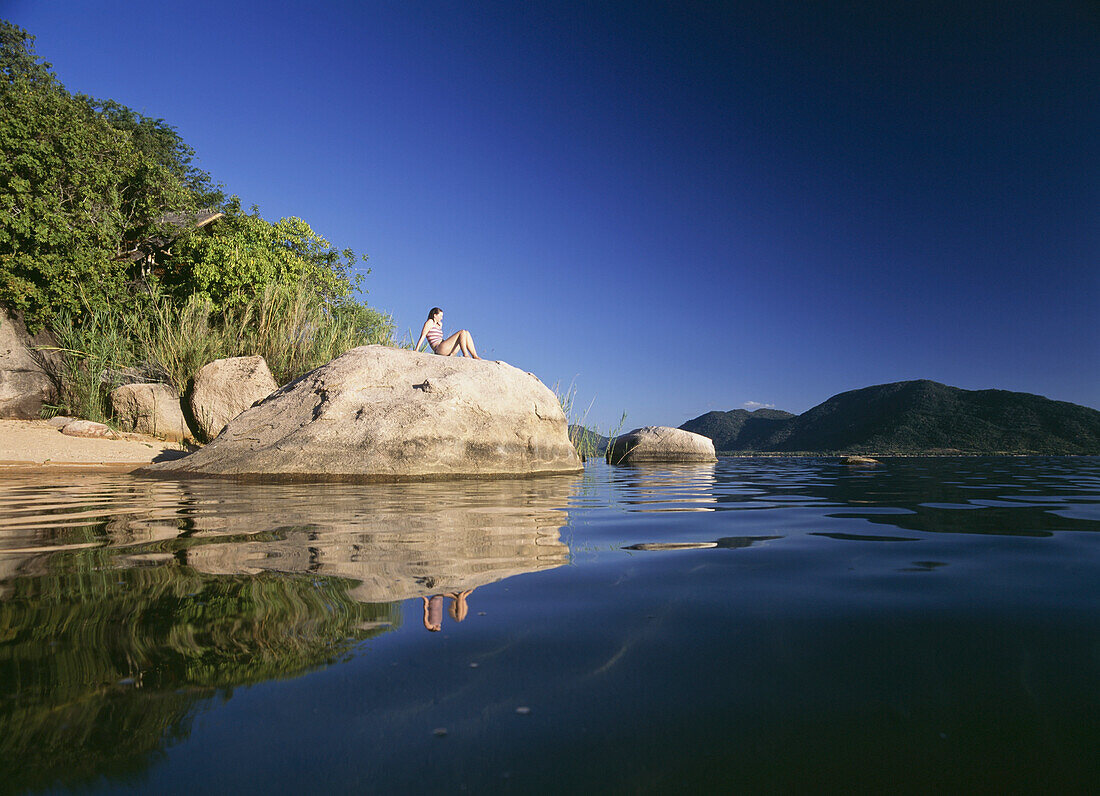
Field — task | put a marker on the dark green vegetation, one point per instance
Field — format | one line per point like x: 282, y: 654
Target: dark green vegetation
x: 104, y: 663
x: 739, y: 429
x: 911, y: 417
x: 113, y: 239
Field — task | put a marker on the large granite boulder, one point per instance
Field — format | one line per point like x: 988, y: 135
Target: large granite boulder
x: 226, y: 387
x: 24, y: 385
x: 383, y: 414
x: 152, y: 409
x: 661, y: 444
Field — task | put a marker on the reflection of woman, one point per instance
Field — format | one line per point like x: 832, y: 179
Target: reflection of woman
x: 433, y: 609
x: 432, y: 331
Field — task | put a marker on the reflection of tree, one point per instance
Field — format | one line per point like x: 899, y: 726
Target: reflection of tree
x: 101, y: 666
x: 107, y: 652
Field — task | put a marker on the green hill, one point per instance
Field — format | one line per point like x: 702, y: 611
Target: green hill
x: 738, y: 429
x: 912, y: 417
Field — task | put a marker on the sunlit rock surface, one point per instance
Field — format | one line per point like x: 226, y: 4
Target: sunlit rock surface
x: 661, y: 444
x: 149, y: 409
x: 226, y: 387
x: 379, y: 413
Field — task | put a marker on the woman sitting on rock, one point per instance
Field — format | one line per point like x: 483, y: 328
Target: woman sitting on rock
x: 433, y: 333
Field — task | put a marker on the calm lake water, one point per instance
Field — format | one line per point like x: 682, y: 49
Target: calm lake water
x: 927, y: 624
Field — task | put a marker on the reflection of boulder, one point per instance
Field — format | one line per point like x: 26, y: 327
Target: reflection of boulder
x: 128, y: 603
x: 671, y: 487
x: 76, y: 512
x: 402, y: 542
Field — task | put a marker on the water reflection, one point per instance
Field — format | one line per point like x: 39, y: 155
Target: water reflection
x: 395, y: 541
x: 830, y: 610
x: 127, y: 605
x: 936, y: 495
x: 668, y: 487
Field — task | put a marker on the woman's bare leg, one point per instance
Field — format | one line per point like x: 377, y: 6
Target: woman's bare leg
x: 468, y: 349
x: 450, y: 346
x: 459, y: 341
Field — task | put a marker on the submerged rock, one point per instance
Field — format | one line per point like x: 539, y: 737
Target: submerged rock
x: 661, y: 444
x: 226, y: 387
x: 379, y: 413
x: 152, y: 409
x: 860, y: 460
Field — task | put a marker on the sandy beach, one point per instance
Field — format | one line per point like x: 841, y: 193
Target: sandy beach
x: 36, y: 445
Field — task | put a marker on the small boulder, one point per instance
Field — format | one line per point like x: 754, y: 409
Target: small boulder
x: 661, y: 444
x: 89, y: 428
x: 384, y: 414
x: 152, y: 409
x: 24, y: 384
x: 860, y: 460
x: 226, y: 387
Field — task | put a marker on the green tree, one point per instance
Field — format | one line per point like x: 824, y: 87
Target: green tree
x: 243, y: 254
x: 162, y: 143
x: 75, y: 193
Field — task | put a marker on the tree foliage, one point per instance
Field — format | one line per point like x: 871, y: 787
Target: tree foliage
x: 243, y: 253
x: 75, y: 193
x: 162, y: 143
x: 96, y: 243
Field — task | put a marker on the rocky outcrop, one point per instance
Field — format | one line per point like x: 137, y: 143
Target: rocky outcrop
x: 152, y: 409
x: 379, y: 413
x: 24, y: 385
x: 225, y: 388
x: 661, y: 444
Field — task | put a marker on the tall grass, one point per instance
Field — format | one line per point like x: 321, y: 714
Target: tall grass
x: 176, y: 341
x: 612, y: 437
x: 290, y: 326
x: 295, y: 332
x: 93, y: 356
x: 586, y: 441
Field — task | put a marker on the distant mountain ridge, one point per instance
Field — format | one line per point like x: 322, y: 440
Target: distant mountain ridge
x: 738, y: 429
x: 911, y: 417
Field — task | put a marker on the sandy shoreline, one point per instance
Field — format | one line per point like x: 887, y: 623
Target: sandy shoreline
x: 36, y: 446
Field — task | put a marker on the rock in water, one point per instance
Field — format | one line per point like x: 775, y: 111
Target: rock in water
x: 152, y: 409
x: 860, y: 460
x: 661, y: 444
x: 386, y: 414
x: 226, y: 387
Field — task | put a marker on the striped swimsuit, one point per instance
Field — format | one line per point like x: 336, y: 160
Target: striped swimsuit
x: 435, y: 336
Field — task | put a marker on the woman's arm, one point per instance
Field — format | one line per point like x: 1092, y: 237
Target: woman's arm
x: 423, y: 336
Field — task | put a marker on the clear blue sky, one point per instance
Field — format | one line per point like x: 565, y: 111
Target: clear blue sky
x: 682, y: 206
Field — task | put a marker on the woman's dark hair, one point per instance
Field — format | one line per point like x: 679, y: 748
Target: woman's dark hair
x: 433, y: 311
